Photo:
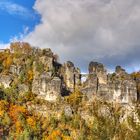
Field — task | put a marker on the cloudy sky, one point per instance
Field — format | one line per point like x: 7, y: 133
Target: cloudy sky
x: 107, y: 31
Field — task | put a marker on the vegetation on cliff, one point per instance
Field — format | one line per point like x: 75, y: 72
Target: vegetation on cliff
x: 24, y: 116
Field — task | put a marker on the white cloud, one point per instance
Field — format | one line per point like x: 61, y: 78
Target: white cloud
x: 83, y: 30
x: 15, y: 9
x: 21, y: 35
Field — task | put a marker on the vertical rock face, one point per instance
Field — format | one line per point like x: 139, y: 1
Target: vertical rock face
x: 137, y: 79
x: 99, y: 70
x: 47, y: 61
x: 71, y: 75
x: 44, y: 84
x: 100, y: 73
x: 51, y: 89
x: 90, y: 86
x: 118, y: 87
x: 123, y: 85
x: 50, y: 79
x: 47, y: 87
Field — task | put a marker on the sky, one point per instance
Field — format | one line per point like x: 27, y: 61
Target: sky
x: 106, y: 31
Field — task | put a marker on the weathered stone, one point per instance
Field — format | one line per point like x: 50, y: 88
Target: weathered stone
x: 71, y: 75
x: 138, y: 88
x: 5, y: 80
x: 22, y: 88
x: 51, y: 89
x: 15, y: 69
x: 42, y: 52
x: 120, y: 71
x: 96, y: 83
x: 117, y: 87
x: 47, y: 52
x: 122, y: 87
x: 47, y: 87
x: 68, y: 111
x: 36, y: 85
x: 95, y: 67
x: 99, y: 70
x: 90, y: 86
x: 47, y: 62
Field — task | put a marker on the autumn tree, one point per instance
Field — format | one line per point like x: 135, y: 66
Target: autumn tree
x: 20, y: 47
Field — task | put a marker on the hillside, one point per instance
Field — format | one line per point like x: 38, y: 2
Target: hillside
x: 40, y: 98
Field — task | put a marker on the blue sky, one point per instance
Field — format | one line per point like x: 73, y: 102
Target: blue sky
x: 17, y: 17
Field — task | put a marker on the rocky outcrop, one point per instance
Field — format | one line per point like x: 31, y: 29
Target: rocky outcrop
x: 47, y: 87
x: 23, y: 88
x: 90, y: 86
x: 118, y: 87
x: 125, y: 90
x: 40, y: 73
x: 15, y: 69
x: 138, y: 87
x: 45, y: 84
x: 71, y: 75
x: 5, y: 80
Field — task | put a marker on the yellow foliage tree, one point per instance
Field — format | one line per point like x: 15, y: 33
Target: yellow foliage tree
x: 30, y: 75
x: 8, y: 62
x: 31, y: 121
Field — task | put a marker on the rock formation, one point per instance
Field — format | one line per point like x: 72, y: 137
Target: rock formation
x: 118, y: 87
x: 49, y: 80
x: 5, y: 80
x: 71, y: 75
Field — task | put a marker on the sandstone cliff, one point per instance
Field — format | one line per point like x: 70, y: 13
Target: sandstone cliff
x: 37, y: 70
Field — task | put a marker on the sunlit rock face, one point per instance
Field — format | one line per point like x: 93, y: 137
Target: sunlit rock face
x: 50, y: 89
x: 46, y: 58
x: 117, y: 87
x: 6, y: 80
x: 49, y: 79
x: 123, y: 86
x: 45, y: 84
x: 99, y: 70
x: 40, y: 73
x: 96, y: 83
x: 47, y: 87
x: 15, y: 69
x: 71, y: 75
